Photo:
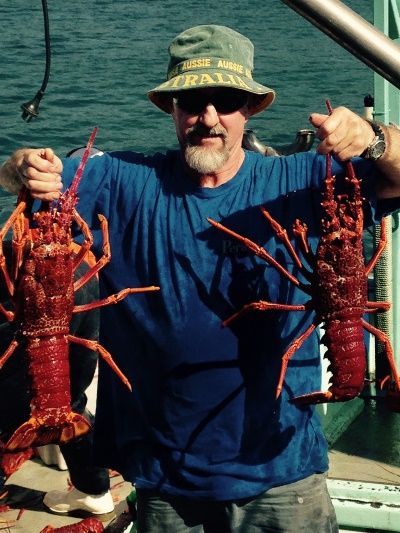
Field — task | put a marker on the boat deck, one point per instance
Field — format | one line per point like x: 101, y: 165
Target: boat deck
x: 26, y: 489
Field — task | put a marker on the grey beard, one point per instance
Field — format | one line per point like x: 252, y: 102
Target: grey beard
x: 205, y: 160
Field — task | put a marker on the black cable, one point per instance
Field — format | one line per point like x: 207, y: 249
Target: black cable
x: 30, y: 109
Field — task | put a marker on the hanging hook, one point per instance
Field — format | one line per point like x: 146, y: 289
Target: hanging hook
x: 30, y: 109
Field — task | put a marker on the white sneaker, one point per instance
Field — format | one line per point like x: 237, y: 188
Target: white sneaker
x: 64, y: 502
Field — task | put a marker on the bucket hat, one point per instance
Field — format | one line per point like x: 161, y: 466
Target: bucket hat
x: 211, y: 56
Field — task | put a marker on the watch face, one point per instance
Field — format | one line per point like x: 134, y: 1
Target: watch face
x: 377, y: 150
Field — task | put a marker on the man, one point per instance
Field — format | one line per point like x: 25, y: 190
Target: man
x: 202, y: 436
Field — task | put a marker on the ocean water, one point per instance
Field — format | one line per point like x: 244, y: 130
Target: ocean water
x: 106, y: 54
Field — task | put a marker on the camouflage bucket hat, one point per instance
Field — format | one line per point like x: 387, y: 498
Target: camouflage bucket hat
x: 211, y: 56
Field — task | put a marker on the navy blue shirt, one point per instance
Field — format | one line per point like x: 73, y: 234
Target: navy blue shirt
x: 202, y: 420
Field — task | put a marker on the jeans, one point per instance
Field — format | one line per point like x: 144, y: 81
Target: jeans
x: 84, y: 474
x: 301, y: 507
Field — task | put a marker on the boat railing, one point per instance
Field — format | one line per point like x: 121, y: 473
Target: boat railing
x: 303, y: 142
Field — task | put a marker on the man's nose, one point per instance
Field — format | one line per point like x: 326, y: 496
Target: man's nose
x: 209, y: 116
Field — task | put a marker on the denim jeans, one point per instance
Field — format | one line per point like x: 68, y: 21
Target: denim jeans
x: 83, y: 472
x: 300, y: 507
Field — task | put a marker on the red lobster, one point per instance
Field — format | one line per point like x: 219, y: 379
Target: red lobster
x: 42, y: 288
x: 337, y: 289
x: 88, y: 525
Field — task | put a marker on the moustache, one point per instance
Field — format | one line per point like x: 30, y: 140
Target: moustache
x: 200, y: 130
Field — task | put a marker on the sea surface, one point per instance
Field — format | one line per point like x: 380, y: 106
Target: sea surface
x: 106, y: 55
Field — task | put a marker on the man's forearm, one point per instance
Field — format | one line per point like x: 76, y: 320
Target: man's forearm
x: 389, y: 164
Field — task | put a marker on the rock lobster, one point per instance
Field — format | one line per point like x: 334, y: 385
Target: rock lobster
x: 337, y: 289
x: 41, y: 285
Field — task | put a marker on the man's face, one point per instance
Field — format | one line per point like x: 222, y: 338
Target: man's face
x: 209, y: 125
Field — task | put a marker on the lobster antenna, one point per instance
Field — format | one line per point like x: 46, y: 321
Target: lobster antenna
x: 328, y: 156
x: 328, y: 165
x: 85, y: 157
x: 349, y: 166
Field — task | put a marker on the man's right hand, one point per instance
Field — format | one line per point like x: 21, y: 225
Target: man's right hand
x: 38, y: 169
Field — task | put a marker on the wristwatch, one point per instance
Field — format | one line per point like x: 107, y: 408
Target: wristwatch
x: 378, y: 146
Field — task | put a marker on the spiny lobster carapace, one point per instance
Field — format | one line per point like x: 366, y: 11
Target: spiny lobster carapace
x: 41, y: 286
x: 337, y: 289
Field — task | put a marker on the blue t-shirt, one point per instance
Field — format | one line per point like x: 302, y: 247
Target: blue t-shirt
x: 202, y: 420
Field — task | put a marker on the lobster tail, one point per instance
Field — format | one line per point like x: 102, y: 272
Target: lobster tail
x: 344, y: 339
x: 35, y: 432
